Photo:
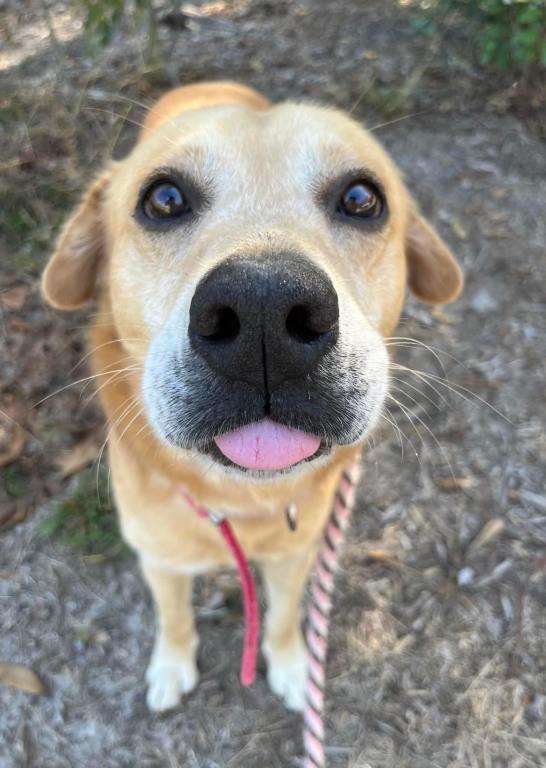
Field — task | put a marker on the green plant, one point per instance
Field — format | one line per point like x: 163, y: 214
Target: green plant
x: 14, y: 481
x: 86, y: 521
x: 514, y: 33
x: 508, y: 34
x: 102, y: 18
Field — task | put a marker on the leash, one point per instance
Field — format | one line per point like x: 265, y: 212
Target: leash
x: 320, y: 607
x: 250, y: 601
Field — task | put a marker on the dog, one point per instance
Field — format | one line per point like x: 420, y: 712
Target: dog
x: 248, y: 260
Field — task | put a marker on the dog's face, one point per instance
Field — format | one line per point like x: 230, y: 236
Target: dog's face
x: 254, y: 263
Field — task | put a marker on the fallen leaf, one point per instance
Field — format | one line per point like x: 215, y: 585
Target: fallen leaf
x: 501, y: 216
x: 383, y: 556
x: 212, y: 9
x: 455, y: 483
x: 22, y: 678
x: 476, y: 382
x: 491, y: 530
x: 443, y: 317
x: 12, y: 439
x: 494, y: 233
x: 459, y: 230
x: 500, y: 192
x: 374, y: 637
x: 13, y: 299
x: 77, y: 458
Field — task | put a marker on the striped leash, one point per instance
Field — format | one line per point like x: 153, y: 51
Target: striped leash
x: 320, y: 607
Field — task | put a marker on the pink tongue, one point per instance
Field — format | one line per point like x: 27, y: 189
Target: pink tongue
x: 267, y: 445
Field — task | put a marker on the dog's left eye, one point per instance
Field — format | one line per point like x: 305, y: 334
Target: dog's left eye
x: 165, y: 200
x: 362, y: 200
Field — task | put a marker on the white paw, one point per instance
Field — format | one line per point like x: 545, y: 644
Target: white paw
x: 287, y: 677
x: 168, y: 682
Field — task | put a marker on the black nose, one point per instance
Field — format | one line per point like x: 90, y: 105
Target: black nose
x: 264, y: 320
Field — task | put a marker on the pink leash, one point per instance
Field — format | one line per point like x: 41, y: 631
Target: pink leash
x: 250, y: 601
x: 251, y: 607
x: 320, y: 607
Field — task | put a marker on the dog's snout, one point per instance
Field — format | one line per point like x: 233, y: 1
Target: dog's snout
x: 264, y: 320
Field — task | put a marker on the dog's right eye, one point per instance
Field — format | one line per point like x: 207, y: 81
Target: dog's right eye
x: 164, y: 200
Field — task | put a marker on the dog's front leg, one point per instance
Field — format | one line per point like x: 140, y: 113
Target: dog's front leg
x: 283, y: 645
x: 172, y: 670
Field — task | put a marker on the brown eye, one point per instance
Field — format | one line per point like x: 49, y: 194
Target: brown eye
x: 361, y: 200
x: 164, y: 200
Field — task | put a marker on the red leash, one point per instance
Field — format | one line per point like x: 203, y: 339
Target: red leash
x: 252, y: 610
x: 250, y: 601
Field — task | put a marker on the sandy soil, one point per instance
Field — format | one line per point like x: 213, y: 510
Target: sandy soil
x: 438, y: 653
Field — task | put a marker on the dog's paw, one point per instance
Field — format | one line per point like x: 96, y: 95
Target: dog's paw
x: 287, y: 676
x: 168, y: 682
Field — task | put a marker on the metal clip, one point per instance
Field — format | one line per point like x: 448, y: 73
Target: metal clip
x: 216, y: 517
x: 292, y: 516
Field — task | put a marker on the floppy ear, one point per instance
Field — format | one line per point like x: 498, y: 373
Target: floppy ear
x: 433, y: 274
x: 70, y: 277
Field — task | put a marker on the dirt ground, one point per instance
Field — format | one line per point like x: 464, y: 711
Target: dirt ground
x: 438, y: 655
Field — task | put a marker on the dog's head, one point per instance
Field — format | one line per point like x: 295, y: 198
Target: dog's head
x: 254, y: 260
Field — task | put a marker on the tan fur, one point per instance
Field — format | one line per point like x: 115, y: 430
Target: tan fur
x: 200, y: 96
x: 70, y: 277
x: 140, y: 280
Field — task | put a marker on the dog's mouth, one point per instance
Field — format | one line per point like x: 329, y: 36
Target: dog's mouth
x: 292, y: 428
x: 266, y: 446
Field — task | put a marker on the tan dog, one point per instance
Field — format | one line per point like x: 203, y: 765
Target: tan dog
x: 248, y: 260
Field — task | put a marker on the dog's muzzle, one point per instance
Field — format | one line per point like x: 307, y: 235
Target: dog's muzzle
x: 268, y: 370
x: 261, y: 322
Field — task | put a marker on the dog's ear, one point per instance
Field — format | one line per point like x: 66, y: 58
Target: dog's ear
x: 433, y: 273
x: 70, y: 277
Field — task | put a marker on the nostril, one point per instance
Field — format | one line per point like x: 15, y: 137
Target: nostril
x: 222, y: 325
x: 302, y: 326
